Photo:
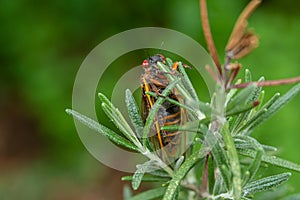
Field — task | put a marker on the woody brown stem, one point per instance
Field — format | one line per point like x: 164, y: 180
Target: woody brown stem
x: 208, y: 35
x: 204, y: 182
x: 233, y: 74
x: 269, y: 83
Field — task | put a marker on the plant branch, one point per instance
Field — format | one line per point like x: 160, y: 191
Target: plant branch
x: 208, y: 35
x: 269, y: 83
x: 234, y: 162
x: 204, y: 182
x: 180, y: 174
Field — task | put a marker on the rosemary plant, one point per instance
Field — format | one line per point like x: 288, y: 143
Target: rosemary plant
x: 223, y: 174
x: 213, y: 167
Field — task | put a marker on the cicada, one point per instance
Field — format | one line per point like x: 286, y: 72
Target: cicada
x: 169, y: 144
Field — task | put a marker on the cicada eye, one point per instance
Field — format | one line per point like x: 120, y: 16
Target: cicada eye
x: 145, y: 63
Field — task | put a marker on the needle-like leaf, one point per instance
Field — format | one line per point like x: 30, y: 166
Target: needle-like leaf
x: 114, y: 137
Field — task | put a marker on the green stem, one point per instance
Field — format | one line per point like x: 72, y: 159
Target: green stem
x: 180, y: 174
x: 234, y: 162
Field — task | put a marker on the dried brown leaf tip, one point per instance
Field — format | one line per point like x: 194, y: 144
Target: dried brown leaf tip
x: 242, y: 41
x: 244, y: 46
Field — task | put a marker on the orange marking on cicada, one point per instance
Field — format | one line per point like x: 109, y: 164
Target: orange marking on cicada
x: 175, y: 66
x: 172, y: 116
x: 147, y: 89
x: 171, y: 134
x: 172, y: 122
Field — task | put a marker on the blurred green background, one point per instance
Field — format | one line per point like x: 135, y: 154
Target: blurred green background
x: 42, y: 46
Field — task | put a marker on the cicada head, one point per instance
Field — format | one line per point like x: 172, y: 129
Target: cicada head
x: 153, y: 60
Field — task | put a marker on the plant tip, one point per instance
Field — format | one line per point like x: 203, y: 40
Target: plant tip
x: 67, y: 110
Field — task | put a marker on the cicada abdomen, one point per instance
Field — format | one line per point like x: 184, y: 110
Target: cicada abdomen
x: 169, y: 144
